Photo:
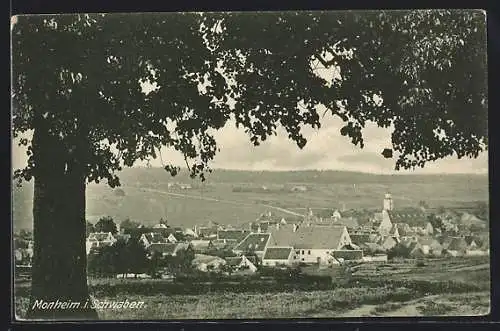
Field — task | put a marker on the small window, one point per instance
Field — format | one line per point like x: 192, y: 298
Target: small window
x: 294, y: 257
x: 303, y: 252
x: 302, y: 259
x: 309, y: 252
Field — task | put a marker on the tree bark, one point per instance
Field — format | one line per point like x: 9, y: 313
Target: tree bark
x: 59, y: 289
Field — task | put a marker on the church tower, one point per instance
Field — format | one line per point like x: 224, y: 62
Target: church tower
x: 388, y: 203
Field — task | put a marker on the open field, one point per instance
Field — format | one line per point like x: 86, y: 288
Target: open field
x: 147, y: 196
x: 454, y: 287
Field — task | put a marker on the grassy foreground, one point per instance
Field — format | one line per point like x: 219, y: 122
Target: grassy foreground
x: 457, y: 287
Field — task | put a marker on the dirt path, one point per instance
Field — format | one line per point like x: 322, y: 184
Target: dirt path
x: 410, y: 308
x: 407, y: 309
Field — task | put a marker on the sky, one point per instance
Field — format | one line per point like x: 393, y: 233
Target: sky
x: 326, y: 149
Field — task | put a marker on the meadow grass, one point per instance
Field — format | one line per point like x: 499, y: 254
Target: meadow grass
x: 442, y: 287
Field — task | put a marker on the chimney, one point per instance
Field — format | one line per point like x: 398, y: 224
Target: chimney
x: 295, y: 228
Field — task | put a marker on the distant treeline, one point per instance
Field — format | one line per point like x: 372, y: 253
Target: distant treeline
x: 297, y: 177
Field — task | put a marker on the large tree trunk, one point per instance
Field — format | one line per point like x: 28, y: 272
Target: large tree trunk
x: 59, y: 289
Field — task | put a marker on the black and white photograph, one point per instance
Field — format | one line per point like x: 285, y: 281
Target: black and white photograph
x: 250, y: 165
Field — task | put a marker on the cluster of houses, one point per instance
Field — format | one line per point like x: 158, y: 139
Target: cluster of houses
x: 311, y: 240
x: 23, y: 252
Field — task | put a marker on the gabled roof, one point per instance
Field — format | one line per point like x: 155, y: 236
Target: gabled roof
x: 407, y: 242
x: 189, y: 232
x: 309, y: 237
x: 155, y: 237
x: 417, y: 251
x: 237, y: 260
x: 233, y: 260
x: 124, y: 236
x: 457, y: 244
x: 349, y: 222
x: 160, y: 226
x: 411, y: 216
x: 385, y: 239
x: 230, y: 244
x: 252, y: 258
x: 219, y: 243
x: 394, y: 229
x: 359, y: 239
x: 479, y: 242
x: 467, y: 218
x: 445, y: 240
x: 100, y: 236
x: 277, y: 253
x: 377, y: 217
x: 200, y: 244
x: 238, y: 235
x: 428, y: 241
x: 204, y: 231
x: 485, y: 244
x: 254, y: 242
x: 403, y: 228
x: 166, y: 248
x: 207, y: 259
x: 414, y: 245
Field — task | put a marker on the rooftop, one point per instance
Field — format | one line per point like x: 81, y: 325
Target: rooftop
x: 277, y: 253
x: 254, y: 242
x: 310, y: 237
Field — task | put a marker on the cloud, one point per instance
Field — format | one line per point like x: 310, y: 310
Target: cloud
x: 366, y: 157
x: 326, y: 149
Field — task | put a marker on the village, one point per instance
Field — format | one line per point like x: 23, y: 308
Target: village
x: 271, y: 242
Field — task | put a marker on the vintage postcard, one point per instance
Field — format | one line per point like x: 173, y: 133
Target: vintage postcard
x: 250, y: 165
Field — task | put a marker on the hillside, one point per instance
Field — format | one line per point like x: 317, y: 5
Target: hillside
x: 148, y: 195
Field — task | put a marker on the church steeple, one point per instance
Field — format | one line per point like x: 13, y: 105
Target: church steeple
x: 388, y: 203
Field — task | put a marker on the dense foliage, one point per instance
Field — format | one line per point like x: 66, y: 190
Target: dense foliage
x: 423, y: 72
x: 106, y: 224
